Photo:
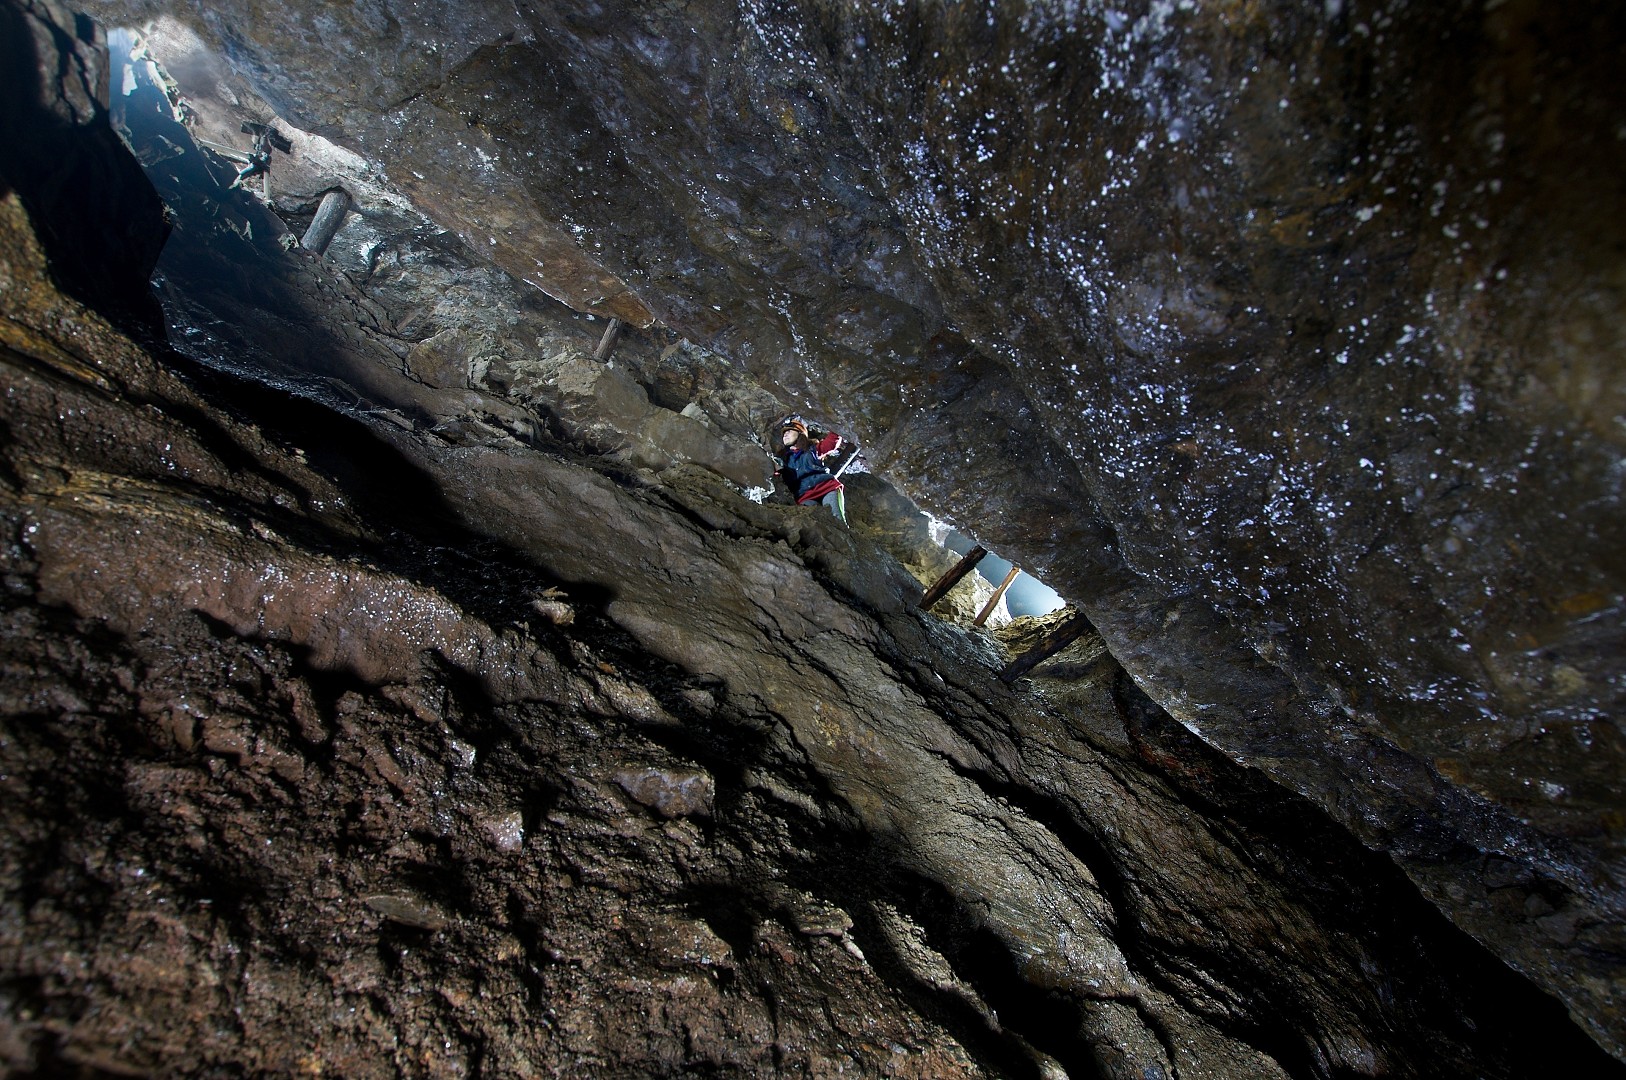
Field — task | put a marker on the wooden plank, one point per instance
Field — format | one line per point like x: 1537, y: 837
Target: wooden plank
x: 952, y: 578
x: 1053, y: 643
x: 993, y: 601
x: 607, y: 342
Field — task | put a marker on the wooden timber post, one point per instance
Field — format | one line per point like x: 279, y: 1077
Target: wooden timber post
x: 952, y: 578
x: 607, y: 342
x: 988, y: 608
x: 1053, y: 643
x: 329, y: 216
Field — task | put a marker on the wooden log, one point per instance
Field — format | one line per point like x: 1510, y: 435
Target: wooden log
x: 329, y: 216
x: 993, y: 601
x: 1053, y: 643
x: 607, y: 342
x: 952, y: 578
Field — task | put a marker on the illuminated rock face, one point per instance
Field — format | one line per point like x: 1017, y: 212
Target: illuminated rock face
x: 1283, y: 339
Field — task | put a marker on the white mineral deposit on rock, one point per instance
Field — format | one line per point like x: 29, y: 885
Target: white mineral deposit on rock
x: 1271, y: 334
x: 506, y: 831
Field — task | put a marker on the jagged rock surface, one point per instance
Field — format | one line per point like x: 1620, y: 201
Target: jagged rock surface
x: 1165, y: 897
x: 1282, y: 339
x: 481, y: 759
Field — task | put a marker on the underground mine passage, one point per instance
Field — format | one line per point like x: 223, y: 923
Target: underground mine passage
x: 417, y: 663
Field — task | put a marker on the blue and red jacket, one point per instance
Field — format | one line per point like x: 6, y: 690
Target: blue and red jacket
x: 804, y: 470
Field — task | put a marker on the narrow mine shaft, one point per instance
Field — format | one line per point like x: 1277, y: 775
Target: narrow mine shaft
x: 438, y: 642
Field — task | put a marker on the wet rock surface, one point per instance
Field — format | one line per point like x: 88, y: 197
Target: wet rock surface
x: 286, y: 793
x: 290, y: 789
x: 1281, y: 340
x: 349, y: 671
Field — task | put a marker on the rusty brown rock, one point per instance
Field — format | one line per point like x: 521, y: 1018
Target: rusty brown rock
x: 1109, y: 894
x: 1275, y: 337
x: 669, y: 792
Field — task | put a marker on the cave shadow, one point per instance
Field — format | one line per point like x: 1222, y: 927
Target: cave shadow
x: 846, y: 865
x: 861, y: 875
x: 1024, y: 1014
x: 263, y: 349
x: 417, y: 534
x: 97, y: 216
x: 1441, y: 1004
x: 1433, y: 978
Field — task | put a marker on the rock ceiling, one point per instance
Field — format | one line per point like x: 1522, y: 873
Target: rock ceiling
x: 1283, y: 340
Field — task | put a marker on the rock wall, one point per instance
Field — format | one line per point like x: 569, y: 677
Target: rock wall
x: 1282, y: 338
x: 1131, y: 292
x: 333, y: 746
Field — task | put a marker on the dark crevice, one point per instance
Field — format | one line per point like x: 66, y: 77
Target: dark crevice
x: 848, y: 868
x: 1448, y: 982
x: 1119, y: 891
x: 421, y: 539
x: 1043, y: 1019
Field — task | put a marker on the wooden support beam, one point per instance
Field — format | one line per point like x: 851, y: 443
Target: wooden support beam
x: 329, y: 216
x: 952, y: 578
x: 1053, y: 643
x: 231, y: 153
x: 993, y: 601
x: 607, y: 342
